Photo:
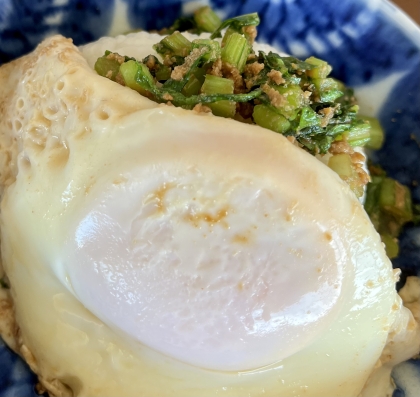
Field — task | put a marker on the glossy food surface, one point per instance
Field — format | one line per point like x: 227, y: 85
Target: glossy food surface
x: 386, y: 76
x: 153, y: 177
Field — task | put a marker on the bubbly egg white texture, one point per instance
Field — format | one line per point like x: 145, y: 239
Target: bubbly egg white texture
x: 155, y: 251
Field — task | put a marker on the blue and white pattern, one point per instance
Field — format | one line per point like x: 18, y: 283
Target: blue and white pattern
x: 16, y: 380
x: 24, y: 23
x: 372, y: 46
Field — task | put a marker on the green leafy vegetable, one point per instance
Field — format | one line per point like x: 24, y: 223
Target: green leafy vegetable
x: 308, y: 118
x: 320, y: 69
x: 389, y: 206
x: 174, y: 44
x: 215, y: 85
x: 296, y: 98
x: 237, y: 24
x: 342, y: 164
x: 358, y: 134
x: 206, y: 19
x: 292, y: 97
x: 236, y: 51
x: 376, y: 133
x: 267, y: 117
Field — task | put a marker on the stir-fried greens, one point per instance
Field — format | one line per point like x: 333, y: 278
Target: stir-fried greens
x: 389, y: 206
x: 282, y: 93
x: 292, y: 97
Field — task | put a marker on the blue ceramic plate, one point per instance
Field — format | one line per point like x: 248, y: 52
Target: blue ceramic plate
x: 371, y: 44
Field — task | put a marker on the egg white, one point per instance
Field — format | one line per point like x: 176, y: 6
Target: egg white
x: 100, y: 175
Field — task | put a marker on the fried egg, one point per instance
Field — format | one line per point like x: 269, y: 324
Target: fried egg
x: 156, y: 251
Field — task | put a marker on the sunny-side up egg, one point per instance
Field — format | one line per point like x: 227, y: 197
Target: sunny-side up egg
x: 155, y: 251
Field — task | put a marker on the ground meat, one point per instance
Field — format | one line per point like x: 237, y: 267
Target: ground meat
x: 200, y: 108
x: 167, y: 97
x: 363, y: 176
x: 341, y: 147
x: 253, y: 69
x: 251, y: 72
x: 306, y: 95
x: 327, y: 114
x: 151, y: 62
x: 232, y: 73
x: 250, y: 32
x: 179, y: 71
x: 113, y: 56
x: 276, y: 77
x: 249, y: 83
x: 357, y: 159
x: 119, y: 79
x: 252, y: 57
x: 216, y: 69
x: 276, y: 99
x: 167, y: 60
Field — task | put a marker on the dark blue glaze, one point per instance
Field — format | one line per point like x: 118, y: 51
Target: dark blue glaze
x: 407, y: 386
x: 24, y: 23
x: 155, y: 14
x: 16, y: 380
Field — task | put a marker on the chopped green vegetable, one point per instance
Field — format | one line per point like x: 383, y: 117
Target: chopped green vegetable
x: 192, y: 63
x: 392, y: 247
x: 174, y: 44
x: 326, y: 89
x: 371, y: 201
x: 358, y: 134
x: 416, y: 214
x: 212, y: 46
x: 321, y: 70
x: 274, y: 61
x: 195, y: 82
x: 308, y: 118
x: 215, y: 85
x: 395, y: 199
x: 296, y: 65
x: 389, y: 206
x: 300, y: 98
x: 157, y: 69
x: 294, y: 97
x: 376, y: 132
x: 137, y: 76
x: 228, y: 33
x: 284, y: 94
x: 268, y: 118
x: 107, y: 67
x: 193, y: 86
x: 343, y: 166
x: 236, y: 51
x: 237, y: 23
x: 206, y: 19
